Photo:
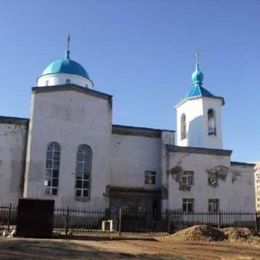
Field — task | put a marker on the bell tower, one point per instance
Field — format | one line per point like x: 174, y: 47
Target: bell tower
x: 199, y: 116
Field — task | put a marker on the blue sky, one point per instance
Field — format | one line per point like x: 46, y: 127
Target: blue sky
x: 141, y: 52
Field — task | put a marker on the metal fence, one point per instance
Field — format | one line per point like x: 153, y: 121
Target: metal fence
x: 172, y: 221
x: 130, y: 221
x: 8, y: 215
x: 81, y: 221
x: 78, y: 220
x: 180, y: 220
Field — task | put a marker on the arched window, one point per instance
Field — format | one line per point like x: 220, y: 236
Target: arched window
x: 67, y: 81
x: 212, y: 130
x: 183, y: 126
x: 83, y: 172
x: 52, y: 168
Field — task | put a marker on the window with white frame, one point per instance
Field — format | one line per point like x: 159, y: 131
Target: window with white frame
x: 187, y: 178
x: 52, y: 169
x: 83, y: 172
x: 150, y: 177
x: 213, y: 205
x: 188, y: 205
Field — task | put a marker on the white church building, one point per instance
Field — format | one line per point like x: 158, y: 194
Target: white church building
x: 69, y: 151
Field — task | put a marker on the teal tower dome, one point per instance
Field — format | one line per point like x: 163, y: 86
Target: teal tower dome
x: 197, y: 81
x: 67, y: 66
x: 197, y: 76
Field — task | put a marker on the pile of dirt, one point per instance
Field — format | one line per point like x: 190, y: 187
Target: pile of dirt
x: 207, y: 233
x: 198, y: 233
x: 236, y: 233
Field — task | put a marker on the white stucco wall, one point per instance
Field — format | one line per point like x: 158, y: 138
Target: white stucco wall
x: 70, y: 118
x: 167, y: 138
x: 196, y: 111
x: 257, y: 186
x: 193, y: 110
x: 12, y: 161
x: 236, y: 193
x: 131, y: 156
x: 61, y: 79
x: 243, y: 187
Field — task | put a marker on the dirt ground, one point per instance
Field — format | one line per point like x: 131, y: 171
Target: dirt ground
x: 22, y: 248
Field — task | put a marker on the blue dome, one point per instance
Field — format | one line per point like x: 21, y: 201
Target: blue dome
x: 65, y: 65
x: 197, y: 76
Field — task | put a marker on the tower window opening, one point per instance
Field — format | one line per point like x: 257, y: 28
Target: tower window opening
x: 212, y: 130
x: 183, y: 126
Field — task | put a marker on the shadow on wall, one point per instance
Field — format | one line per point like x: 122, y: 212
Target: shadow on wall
x: 195, y: 132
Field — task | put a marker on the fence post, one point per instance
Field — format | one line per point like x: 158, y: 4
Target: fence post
x: 67, y: 221
x: 9, y: 217
x: 168, y: 219
x: 219, y: 218
x: 107, y: 213
x: 119, y: 222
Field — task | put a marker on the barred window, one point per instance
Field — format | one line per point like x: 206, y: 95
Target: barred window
x: 213, y: 205
x: 52, y: 169
x: 188, y: 205
x: 150, y: 177
x: 83, y: 172
x: 187, y: 178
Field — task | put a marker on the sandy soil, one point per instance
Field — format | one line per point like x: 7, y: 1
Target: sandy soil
x: 21, y: 248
